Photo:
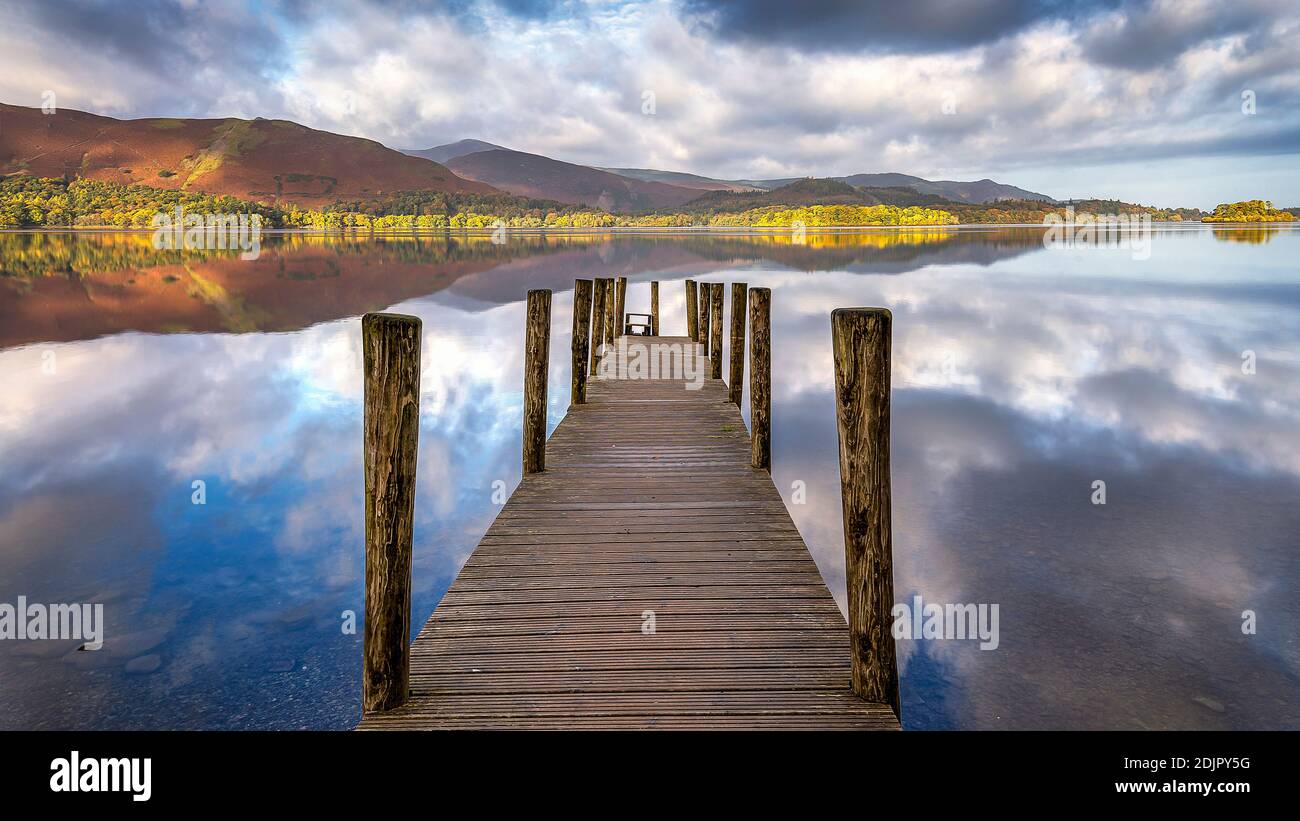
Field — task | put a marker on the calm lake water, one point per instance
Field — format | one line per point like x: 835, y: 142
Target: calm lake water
x: 1022, y: 375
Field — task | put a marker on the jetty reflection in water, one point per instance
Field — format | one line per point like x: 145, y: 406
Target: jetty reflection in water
x: 1021, y: 377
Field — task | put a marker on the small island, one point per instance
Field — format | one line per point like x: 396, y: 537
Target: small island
x: 1248, y: 211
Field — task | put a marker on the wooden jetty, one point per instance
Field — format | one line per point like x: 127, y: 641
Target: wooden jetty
x: 645, y: 573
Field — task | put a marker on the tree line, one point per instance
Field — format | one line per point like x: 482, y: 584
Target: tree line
x: 43, y: 202
x: 32, y: 202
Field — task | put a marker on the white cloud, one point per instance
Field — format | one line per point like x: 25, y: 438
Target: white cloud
x: 569, y: 84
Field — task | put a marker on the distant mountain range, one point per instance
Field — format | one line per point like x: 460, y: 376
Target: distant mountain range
x: 451, y: 151
x: 980, y: 191
x: 280, y: 162
x: 681, y: 178
x: 813, y: 191
x: 532, y: 175
x: 537, y: 176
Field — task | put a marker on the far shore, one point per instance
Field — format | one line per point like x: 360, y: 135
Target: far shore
x: 691, y: 229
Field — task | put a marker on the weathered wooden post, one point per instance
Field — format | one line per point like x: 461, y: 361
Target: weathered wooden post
x: 702, y: 304
x: 654, y: 308
x: 582, y: 289
x: 861, y: 340
x: 692, y: 311
x: 760, y: 378
x: 620, y: 306
x: 537, y: 350
x: 715, y: 330
x: 391, y: 370
x: 736, y: 387
x: 611, y: 326
x: 597, y: 324
x: 706, y: 299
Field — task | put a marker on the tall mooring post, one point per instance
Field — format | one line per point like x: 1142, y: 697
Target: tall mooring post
x: 715, y: 330
x: 597, y: 325
x: 760, y: 377
x: 861, y: 341
x: 702, y: 326
x: 620, y: 307
x: 736, y: 385
x: 654, y: 308
x: 537, y: 352
x: 390, y: 435
x: 611, y: 307
x: 692, y: 311
x: 582, y: 290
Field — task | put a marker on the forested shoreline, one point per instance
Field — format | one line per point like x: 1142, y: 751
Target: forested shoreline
x: 44, y: 202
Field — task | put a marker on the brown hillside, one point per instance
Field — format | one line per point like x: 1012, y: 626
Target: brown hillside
x: 272, y: 161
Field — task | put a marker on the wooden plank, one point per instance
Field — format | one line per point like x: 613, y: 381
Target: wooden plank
x: 620, y: 609
x: 648, y: 577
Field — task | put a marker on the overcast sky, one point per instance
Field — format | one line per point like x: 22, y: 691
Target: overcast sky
x: 1140, y: 99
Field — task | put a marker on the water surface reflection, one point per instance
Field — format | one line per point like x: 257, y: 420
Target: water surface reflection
x: 1021, y: 376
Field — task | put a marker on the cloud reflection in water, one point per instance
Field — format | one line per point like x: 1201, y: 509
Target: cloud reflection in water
x: 1020, y: 377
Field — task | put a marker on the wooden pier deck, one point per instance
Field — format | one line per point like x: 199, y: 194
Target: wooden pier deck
x: 649, y: 577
